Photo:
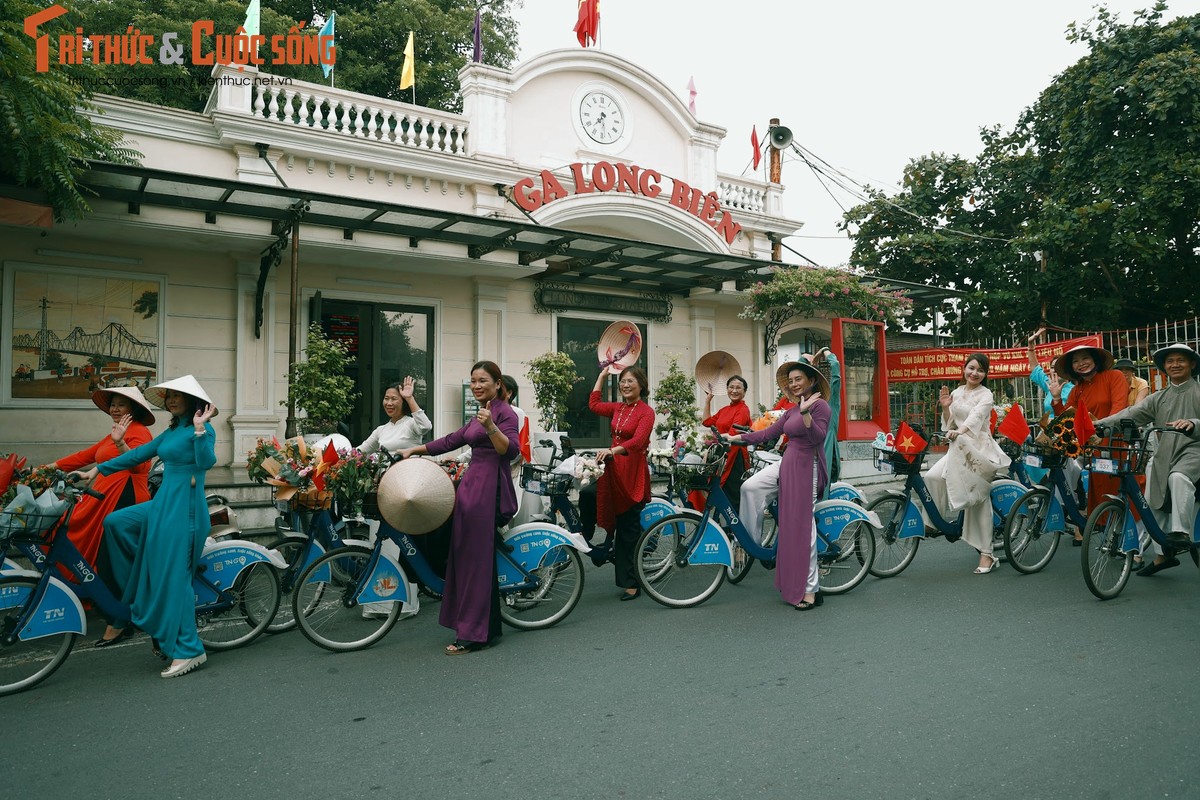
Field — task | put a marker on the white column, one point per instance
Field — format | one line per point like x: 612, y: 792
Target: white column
x: 257, y: 413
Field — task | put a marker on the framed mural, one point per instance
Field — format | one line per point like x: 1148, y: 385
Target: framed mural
x: 70, y: 331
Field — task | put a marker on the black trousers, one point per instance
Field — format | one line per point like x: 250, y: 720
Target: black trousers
x: 629, y: 530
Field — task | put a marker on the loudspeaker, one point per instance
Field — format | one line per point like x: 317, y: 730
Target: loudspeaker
x: 781, y: 137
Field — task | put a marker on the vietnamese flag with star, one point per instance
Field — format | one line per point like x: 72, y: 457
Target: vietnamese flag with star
x: 908, y: 442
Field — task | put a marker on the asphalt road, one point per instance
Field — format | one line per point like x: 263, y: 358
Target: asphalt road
x: 934, y: 684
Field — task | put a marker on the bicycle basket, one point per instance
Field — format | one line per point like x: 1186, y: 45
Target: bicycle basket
x: 1116, y: 459
x: 697, y: 476
x: 1043, y: 455
x: 370, y: 505
x: 892, y: 461
x: 313, y: 499
x: 29, y: 518
x: 537, y: 479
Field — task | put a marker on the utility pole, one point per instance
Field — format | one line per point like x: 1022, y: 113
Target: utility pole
x: 776, y: 170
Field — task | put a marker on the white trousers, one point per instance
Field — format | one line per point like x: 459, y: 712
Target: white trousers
x: 1179, y: 514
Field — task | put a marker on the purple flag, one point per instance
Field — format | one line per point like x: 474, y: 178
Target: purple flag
x: 478, y: 55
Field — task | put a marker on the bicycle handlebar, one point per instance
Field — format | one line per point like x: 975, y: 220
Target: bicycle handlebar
x: 743, y: 428
x: 71, y: 479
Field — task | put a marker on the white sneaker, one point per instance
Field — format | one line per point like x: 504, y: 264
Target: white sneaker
x: 184, y: 667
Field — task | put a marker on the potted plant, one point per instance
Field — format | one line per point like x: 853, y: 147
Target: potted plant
x: 319, y: 385
x: 675, y: 401
x: 552, y: 375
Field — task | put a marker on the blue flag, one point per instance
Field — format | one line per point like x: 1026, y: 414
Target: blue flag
x: 327, y: 30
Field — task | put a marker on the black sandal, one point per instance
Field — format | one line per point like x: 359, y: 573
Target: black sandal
x: 459, y: 647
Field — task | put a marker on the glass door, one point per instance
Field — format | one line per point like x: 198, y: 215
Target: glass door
x: 385, y: 343
x: 578, y: 339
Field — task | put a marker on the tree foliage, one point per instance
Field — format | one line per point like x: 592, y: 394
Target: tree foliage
x: 369, y: 37
x: 1100, y: 176
x: 47, y: 138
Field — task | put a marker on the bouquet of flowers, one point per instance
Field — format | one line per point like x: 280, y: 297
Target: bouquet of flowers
x: 588, y: 470
x: 456, y: 467
x: 353, y: 475
x: 297, y: 472
x: 1060, y: 435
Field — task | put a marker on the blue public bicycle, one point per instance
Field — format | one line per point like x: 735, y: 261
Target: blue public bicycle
x: 1037, y: 519
x: 1110, y: 537
x: 41, y: 615
x: 683, y: 558
x: 539, y: 572
x: 903, y: 527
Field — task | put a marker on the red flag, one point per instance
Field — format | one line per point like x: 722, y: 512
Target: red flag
x: 1084, y: 429
x: 692, y: 96
x: 523, y: 442
x: 754, y: 144
x: 1014, y: 425
x: 588, y: 24
x: 908, y: 443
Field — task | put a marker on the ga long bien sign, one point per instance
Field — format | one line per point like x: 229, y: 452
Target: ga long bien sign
x: 603, y: 176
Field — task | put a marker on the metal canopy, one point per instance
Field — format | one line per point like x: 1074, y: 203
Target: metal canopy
x: 570, y: 256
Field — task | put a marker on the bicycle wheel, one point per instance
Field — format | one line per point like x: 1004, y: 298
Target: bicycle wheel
x: 325, y: 609
x: 559, y: 587
x: 892, y: 554
x: 663, y: 570
x: 839, y: 573
x: 1027, y: 544
x: 26, y: 663
x: 1105, y: 568
x: 291, y: 548
x: 241, y: 612
x: 742, y: 562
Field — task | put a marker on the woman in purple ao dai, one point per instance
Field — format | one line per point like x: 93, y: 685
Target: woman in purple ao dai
x: 803, y: 474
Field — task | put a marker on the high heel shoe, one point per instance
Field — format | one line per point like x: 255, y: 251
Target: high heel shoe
x: 123, y: 633
x: 985, y: 570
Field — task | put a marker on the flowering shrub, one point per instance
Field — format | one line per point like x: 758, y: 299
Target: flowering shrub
x: 675, y: 400
x: 806, y: 292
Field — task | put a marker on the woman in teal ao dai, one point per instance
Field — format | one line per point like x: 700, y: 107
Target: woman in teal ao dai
x: 154, y: 546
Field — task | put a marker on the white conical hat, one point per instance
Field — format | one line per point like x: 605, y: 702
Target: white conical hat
x: 1160, y: 355
x: 186, y: 385
x: 142, y: 411
x: 416, y: 496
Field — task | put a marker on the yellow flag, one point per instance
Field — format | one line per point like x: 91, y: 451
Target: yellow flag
x: 406, y: 73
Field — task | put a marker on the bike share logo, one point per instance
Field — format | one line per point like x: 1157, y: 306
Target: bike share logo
x: 386, y: 586
x: 85, y: 571
x: 134, y: 47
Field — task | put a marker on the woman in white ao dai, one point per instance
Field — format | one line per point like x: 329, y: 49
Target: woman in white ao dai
x: 407, y: 424
x: 962, y: 479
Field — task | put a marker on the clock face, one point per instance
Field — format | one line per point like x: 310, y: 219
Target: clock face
x: 602, y: 119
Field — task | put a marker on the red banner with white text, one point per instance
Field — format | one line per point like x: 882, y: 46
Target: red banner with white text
x: 946, y: 363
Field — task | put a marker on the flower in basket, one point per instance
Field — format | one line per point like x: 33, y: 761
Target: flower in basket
x: 353, y: 475
x: 662, y: 457
x: 588, y: 470
x: 38, y: 479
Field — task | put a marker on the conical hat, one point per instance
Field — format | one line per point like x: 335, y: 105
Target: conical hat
x: 1161, y: 354
x: 186, y: 385
x: 416, y: 496
x: 781, y: 377
x: 619, y: 346
x: 714, y: 369
x: 1102, y: 358
x: 142, y: 410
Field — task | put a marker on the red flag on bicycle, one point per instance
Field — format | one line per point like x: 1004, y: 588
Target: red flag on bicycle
x: 1014, y: 426
x: 908, y: 442
x: 1084, y: 429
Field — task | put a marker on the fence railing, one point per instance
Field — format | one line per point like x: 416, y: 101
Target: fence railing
x: 917, y: 402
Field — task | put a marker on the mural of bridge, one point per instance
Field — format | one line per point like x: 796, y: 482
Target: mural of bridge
x: 113, y: 342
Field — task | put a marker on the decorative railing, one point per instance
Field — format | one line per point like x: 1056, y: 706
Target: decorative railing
x: 307, y: 105
x: 744, y: 195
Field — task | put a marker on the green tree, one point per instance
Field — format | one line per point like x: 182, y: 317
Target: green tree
x: 146, y: 304
x: 48, y: 137
x: 1100, y: 176
x: 370, y: 39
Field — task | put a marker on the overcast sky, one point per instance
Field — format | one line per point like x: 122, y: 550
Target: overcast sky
x: 863, y: 84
